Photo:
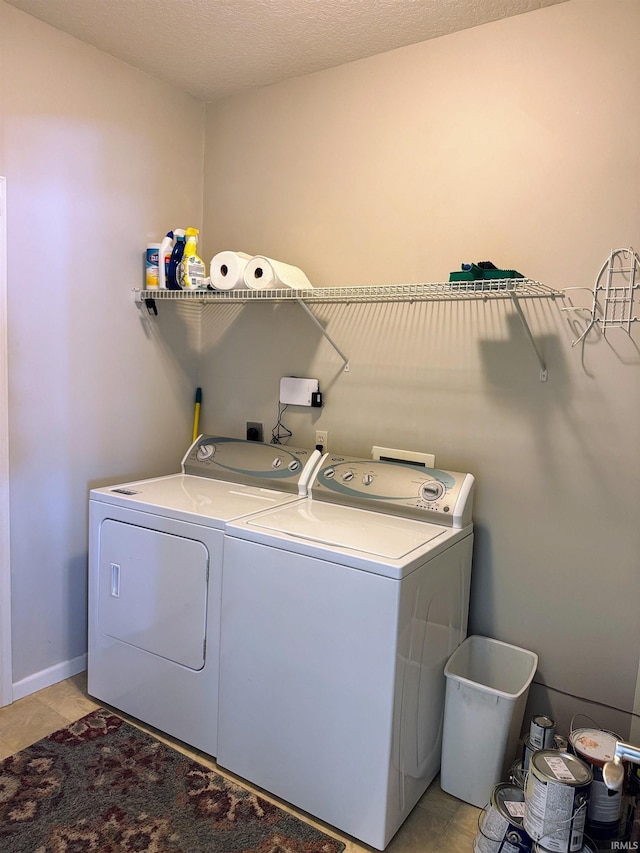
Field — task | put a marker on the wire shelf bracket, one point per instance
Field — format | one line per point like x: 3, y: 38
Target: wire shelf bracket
x: 544, y: 374
x: 325, y: 334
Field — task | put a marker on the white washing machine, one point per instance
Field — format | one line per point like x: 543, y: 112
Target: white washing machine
x: 155, y: 575
x: 338, y: 616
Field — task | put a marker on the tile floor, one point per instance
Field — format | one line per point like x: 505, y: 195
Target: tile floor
x: 439, y: 823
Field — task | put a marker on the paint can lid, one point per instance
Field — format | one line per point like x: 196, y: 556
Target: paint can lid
x: 550, y: 765
x: 543, y: 721
x: 508, y: 800
x: 594, y: 745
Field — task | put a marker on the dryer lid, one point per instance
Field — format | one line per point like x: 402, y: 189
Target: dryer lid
x: 189, y: 498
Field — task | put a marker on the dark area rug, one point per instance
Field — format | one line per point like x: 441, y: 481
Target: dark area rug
x: 102, y: 786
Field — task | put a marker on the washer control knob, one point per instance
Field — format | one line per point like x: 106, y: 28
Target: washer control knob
x: 294, y: 465
x: 367, y: 479
x: 431, y: 490
x: 347, y: 476
x: 329, y: 474
x: 277, y: 462
x: 205, y: 451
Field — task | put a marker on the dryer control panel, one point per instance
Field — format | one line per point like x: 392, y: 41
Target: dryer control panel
x: 430, y: 494
x: 251, y: 462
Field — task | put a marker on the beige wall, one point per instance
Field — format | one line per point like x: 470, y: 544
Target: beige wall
x: 99, y: 159
x: 515, y: 142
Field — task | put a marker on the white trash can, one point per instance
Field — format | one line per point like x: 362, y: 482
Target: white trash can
x: 487, y: 684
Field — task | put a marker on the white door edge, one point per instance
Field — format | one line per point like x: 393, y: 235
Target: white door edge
x: 6, y: 689
x: 634, y: 735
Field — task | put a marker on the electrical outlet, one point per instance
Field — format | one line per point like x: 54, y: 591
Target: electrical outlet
x: 322, y: 437
x: 254, y: 431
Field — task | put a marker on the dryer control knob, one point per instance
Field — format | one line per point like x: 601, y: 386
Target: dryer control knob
x: 348, y: 476
x: 205, y: 451
x: 367, y: 479
x: 277, y: 462
x: 293, y: 466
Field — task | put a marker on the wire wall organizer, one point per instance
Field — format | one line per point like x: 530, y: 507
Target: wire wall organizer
x: 615, y: 294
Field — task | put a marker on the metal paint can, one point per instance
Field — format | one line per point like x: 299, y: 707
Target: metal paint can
x: 518, y: 775
x: 561, y: 743
x: 527, y: 752
x: 541, y: 732
x: 587, y: 847
x: 595, y: 747
x: 500, y: 828
x: 556, y: 799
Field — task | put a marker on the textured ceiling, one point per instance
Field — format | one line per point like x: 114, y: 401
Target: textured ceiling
x: 213, y: 48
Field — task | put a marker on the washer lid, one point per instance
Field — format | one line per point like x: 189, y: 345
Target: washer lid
x: 339, y: 527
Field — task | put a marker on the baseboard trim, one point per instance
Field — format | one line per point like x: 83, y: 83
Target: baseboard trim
x: 47, y: 677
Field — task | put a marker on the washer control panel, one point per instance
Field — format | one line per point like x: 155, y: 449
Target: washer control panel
x: 250, y: 462
x: 442, y: 497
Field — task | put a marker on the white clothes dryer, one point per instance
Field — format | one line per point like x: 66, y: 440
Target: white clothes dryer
x: 339, y: 614
x: 155, y: 575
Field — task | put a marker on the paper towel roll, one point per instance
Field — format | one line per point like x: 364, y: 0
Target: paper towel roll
x: 265, y: 273
x: 226, y: 270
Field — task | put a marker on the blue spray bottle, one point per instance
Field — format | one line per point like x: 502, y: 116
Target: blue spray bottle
x: 173, y: 279
x: 166, y: 247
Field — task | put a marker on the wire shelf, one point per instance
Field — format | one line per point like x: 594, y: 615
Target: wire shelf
x: 485, y: 290
x: 491, y: 289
